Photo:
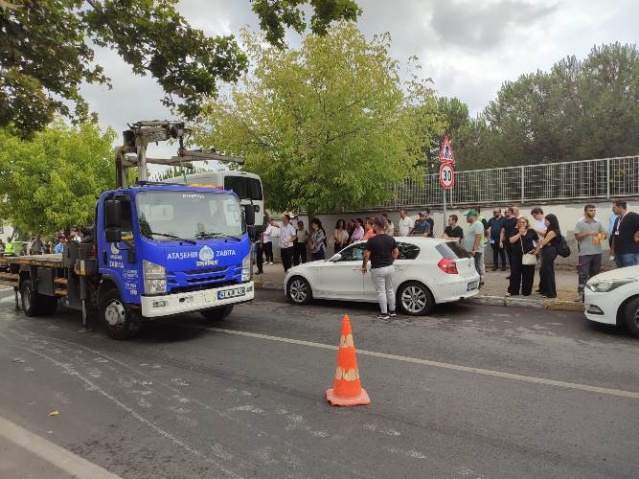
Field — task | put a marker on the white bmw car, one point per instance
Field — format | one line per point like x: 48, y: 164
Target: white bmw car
x: 428, y: 271
x: 613, y: 298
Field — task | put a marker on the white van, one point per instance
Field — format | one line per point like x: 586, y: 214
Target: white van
x: 248, y: 186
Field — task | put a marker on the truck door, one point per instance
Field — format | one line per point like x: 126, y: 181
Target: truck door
x: 118, y: 259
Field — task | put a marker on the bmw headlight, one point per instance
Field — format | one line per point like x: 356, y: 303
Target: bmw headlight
x: 154, y: 278
x: 608, y: 285
x: 246, y: 268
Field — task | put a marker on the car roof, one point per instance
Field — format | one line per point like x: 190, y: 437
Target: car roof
x: 418, y: 240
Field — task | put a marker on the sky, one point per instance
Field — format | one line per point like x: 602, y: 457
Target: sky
x: 469, y: 48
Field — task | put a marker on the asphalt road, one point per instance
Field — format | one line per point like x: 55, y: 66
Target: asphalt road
x: 468, y: 392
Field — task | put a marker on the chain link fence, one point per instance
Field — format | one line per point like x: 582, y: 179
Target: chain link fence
x: 606, y: 178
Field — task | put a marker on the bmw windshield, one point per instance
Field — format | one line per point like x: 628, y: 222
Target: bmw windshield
x: 189, y: 216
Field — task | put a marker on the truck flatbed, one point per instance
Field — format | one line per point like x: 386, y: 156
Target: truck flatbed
x: 53, y: 260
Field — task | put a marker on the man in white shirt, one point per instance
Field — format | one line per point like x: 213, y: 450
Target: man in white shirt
x: 287, y: 239
x: 406, y: 224
x: 539, y: 225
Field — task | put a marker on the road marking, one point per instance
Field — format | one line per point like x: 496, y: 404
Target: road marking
x: 8, y: 299
x: 58, y: 456
x: 94, y: 387
x: 455, y: 367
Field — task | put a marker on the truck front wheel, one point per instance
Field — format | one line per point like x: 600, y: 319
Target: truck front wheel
x: 217, y: 314
x: 117, y: 319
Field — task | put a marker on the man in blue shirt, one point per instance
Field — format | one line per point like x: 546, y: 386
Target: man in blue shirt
x: 495, y: 225
x: 59, y: 248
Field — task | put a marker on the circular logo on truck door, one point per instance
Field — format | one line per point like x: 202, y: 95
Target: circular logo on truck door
x: 206, y: 254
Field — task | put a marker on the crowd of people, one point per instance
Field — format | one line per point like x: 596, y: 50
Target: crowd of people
x: 38, y: 245
x: 516, y: 244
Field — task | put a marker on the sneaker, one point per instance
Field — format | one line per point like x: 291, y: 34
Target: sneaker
x: 578, y: 299
x: 383, y: 316
x: 270, y: 262
x: 392, y: 314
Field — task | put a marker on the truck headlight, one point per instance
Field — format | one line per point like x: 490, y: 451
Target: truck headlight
x: 154, y: 278
x: 605, y: 286
x: 246, y: 268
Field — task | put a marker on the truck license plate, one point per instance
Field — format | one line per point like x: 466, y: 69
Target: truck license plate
x: 231, y: 293
x: 472, y: 286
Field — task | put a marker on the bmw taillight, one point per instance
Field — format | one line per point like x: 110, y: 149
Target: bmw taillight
x: 448, y: 266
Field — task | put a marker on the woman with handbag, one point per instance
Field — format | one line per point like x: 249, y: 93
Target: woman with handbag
x: 523, y: 259
x: 548, y: 247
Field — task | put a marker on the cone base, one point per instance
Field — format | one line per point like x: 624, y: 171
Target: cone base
x: 361, y: 399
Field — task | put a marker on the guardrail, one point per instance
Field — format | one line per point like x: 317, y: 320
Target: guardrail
x: 606, y: 178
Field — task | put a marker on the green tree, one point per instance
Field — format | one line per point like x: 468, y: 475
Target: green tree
x: 327, y: 126
x: 579, y: 110
x: 54, y: 180
x: 46, y: 51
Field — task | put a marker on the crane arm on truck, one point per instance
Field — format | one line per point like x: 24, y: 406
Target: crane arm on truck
x: 132, y: 154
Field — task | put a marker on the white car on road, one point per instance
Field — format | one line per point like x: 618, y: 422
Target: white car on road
x: 613, y: 298
x: 428, y: 271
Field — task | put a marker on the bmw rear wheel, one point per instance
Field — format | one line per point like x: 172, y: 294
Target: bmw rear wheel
x: 415, y: 299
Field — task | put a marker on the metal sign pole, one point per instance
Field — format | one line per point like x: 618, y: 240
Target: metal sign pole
x: 444, y: 203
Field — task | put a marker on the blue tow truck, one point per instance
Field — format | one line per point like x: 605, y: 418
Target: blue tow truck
x: 155, y: 250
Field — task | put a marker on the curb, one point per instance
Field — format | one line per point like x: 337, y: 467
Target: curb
x: 527, y: 303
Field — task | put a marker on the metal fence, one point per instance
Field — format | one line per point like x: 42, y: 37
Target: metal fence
x: 579, y: 180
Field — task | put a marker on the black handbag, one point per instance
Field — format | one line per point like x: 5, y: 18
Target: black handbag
x: 563, y: 249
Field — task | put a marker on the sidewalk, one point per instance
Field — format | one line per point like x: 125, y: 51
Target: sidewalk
x: 493, y: 292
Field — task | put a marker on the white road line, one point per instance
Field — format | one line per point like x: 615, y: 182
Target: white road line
x: 8, y: 299
x: 52, y: 453
x: 455, y: 367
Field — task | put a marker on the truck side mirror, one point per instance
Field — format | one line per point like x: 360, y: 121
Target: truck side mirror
x: 113, y: 235
x: 249, y: 215
x: 112, y: 214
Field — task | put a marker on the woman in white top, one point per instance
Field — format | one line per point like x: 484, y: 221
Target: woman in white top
x: 268, y: 241
x: 340, y: 236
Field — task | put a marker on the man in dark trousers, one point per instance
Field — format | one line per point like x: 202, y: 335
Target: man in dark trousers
x: 382, y: 251
x: 625, y: 243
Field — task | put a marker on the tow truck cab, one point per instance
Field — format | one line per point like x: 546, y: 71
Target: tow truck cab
x: 173, y: 249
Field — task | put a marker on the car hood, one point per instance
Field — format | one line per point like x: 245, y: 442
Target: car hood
x: 306, y: 266
x: 628, y: 272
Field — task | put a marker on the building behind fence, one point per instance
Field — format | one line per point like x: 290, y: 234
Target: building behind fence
x: 601, y: 179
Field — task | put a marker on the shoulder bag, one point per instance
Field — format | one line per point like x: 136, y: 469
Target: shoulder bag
x: 563, y: 249
x: 527, y: 259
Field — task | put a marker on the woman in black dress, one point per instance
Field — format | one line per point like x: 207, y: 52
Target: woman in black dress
x: 521, y: 241
x: 548, y: 247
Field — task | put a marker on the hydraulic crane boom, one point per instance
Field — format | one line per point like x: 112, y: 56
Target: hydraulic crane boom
x: 137, y: 138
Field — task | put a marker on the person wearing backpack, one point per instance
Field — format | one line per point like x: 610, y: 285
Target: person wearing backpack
x: 549, y: 247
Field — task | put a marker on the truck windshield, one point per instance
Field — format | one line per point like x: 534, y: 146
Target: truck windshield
x: 189, y: 216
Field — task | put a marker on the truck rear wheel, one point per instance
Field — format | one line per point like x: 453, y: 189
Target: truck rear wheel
x: 217, y: 314
x: 30, y: 299
x: 117, y: 319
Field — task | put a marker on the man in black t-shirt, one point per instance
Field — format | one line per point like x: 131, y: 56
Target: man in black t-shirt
x: 382, y: 251
x: 453, y: 231
x: 625, y: 235
x: 508, y: 226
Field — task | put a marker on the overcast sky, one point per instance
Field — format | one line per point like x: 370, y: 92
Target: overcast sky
x: 468, y: 47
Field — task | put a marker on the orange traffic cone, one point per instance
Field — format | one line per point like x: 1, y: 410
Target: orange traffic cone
x: 347, y: 389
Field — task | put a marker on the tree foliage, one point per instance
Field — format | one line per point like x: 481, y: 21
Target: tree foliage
x: 46, y: 52
x: 581, y: 109
x: 54, y: 180
x: 328, y: 126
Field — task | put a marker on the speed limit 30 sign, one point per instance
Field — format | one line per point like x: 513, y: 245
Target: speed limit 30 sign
x: 446, y: 176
